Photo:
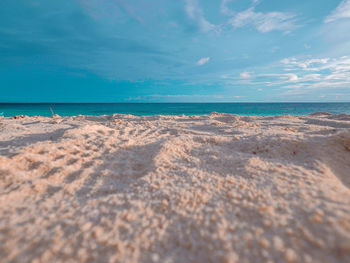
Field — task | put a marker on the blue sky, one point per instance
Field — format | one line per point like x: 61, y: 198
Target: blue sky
x: 174, y: 51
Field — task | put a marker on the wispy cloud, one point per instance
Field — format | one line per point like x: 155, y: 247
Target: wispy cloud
x: 263, y: 22
x: 195, y: 13
x: 326, y: 73
x: 298, y: 77
x: 224, y: 8
x: 277, y: 79
x: 341, y: 64
x: 203, y: 61
x: 341, y: 12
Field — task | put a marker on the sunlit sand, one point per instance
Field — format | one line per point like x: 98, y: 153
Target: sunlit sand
x: 213, y: 188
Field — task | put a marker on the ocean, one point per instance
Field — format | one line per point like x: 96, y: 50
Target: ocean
x: 141, y: 109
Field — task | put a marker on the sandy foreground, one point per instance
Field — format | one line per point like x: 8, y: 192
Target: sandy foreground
x: 214, y: 188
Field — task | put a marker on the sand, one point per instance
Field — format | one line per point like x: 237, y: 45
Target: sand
x: 214, y: 188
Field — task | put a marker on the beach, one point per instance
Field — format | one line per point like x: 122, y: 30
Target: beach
x: 210, y: 188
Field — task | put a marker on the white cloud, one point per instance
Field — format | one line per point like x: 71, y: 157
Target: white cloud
x: 308, y: 77
x: 341, y: 12
x: 331, y: 75
x: 264, y: 22
x: 203, y: 61
x: 227, y: 11
x: 292, y: 77
x: 308, y: 64
x: 195, y: 13
x: 312, y: 77
x: 341, y: 64
x: 245, y: 75
x: 278, y: 79
x: 224, y: 9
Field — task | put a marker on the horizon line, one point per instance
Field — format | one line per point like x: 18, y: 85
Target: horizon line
x: 236, y: 102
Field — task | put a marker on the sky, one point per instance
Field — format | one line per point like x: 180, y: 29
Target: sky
x: 174, y: 51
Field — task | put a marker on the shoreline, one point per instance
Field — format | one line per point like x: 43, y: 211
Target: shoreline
x: 140, y: 109
x: 114, y: 115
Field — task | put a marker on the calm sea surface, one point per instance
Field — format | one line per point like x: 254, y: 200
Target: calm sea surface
x: 69, y: 109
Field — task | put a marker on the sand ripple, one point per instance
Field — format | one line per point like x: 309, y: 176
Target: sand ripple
x: 214, y: 188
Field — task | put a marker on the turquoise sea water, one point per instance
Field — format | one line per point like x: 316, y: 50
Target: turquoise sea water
x: 70, y: 109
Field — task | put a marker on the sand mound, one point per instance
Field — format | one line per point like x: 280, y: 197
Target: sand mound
x: 214, y: 188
